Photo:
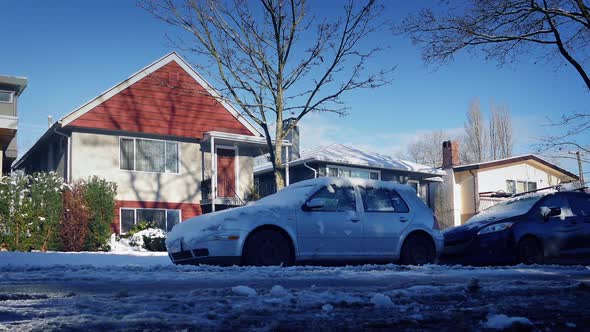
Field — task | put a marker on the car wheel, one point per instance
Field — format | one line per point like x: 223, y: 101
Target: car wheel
x: 418, y: 249
x: 530, y: 251
x: 267, y: 248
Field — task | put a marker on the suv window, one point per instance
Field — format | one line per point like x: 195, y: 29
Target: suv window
x: 580, y: 205
x: 382, y: 200
x: 560, y: 201
x: 336, y: 198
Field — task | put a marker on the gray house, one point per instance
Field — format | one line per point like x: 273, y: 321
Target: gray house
x: 345, y: 161
x: 10, y: 90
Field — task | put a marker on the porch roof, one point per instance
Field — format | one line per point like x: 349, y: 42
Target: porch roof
x: 219, y: 137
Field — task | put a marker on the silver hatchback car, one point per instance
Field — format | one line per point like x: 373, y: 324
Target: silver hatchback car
x: 320, y: 220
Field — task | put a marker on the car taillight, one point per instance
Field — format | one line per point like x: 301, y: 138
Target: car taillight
x: 435, y: 225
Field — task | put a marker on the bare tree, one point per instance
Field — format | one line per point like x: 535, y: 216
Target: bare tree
x: 505, y: 29
x: 500, y: 131
x: 273, y: 58
x: 427, y: 149
x: 476, y: 135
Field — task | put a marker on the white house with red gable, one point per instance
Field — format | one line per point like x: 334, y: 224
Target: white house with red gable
x: 168, y: 140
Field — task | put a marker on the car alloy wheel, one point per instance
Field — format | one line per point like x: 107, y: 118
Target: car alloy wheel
x: 267, y: 248
x: 418, y: 249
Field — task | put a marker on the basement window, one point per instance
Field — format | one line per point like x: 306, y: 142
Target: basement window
x: 164, y: 219
x: 6, y: 97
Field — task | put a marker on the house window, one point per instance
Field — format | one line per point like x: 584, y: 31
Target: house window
x: 415, y: 185
x: 531, y: 186
x: 510, y: 186
x: 6, y: 97
x: 517, y: 187
x: 349, y: 172
x: 162, y: 218
x: 147, y: 155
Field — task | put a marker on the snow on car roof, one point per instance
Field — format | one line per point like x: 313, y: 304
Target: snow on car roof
x: 345, y: 154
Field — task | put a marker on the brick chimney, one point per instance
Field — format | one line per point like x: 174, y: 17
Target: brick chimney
x: 450, y: 152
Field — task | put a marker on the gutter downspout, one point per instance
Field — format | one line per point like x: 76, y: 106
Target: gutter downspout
x: 475, y: 193
x: 315, y: 173
x: 68, y: 163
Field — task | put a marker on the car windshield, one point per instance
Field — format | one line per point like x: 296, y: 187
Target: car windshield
x: 287, y: 196
x: 513, y: 207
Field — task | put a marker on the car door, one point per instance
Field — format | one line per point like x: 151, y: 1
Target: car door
x: 580, y: 204
x: 561, y: 233
x: 385, y: 216
x: 334, y: 230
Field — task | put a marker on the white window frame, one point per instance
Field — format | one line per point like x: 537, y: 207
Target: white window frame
x: 236, y: 166
x: 135, y: 216
x: 526, y: 185
x: 135, y: 154
x: 370, y: 170
x: 11, y: 94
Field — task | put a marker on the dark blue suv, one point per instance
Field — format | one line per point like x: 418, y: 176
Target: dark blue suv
x: 531, y: 229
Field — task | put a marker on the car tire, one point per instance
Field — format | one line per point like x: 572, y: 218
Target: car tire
x: 418, y: 249
x: 267, y: 247
x: 530, y: 251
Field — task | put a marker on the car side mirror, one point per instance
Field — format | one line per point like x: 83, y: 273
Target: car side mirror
x: 550, y: 212
x: 314, y: 204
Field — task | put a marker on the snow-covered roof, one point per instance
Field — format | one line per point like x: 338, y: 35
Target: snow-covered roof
x: 347, y: 155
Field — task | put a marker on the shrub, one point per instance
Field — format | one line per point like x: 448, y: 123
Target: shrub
x: 46, y: 207
x: 140, y: 226
x: 100, y: 198
x: 154, y: 243
x: 74, y: 218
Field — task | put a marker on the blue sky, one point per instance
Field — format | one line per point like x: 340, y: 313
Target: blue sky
x: 71, y: 51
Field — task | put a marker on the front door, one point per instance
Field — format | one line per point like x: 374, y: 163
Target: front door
x: 226, y: 173
x: 333, y: 231
x: 385, y: 217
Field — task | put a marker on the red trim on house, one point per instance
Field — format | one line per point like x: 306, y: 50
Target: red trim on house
x: 188, y: 210
x: 166, y: 102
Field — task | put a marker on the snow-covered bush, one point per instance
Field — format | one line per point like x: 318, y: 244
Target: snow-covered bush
x: 100, y: 196
x: 30, y: 207
x: 150, y: 239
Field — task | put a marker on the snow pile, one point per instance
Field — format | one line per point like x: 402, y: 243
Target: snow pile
x: 244, y: 291
x: 278, y: 290
x: 381, y: 301
x: 500, y: 322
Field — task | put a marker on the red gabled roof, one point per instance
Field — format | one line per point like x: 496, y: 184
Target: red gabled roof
x: 165, y: 98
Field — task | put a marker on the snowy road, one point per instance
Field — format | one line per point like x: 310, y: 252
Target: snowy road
x: 138, y: 293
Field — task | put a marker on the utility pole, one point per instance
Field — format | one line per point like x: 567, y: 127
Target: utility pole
x: 579, y: 158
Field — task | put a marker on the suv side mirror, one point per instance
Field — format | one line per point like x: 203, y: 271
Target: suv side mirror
x: 314, y: 204
x: 550, y: 212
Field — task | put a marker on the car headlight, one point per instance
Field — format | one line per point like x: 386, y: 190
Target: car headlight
x: 495, y: 228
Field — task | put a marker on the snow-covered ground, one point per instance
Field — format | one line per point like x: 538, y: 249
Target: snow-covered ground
x: 143, y: 291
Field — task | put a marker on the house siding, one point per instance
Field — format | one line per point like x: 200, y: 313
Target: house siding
x: 98, y: 154
x: 166, y: 102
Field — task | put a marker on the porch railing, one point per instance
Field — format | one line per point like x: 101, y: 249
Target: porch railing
x: 232, y: 199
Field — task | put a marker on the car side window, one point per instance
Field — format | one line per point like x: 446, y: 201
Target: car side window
x: 580, y: 205
x: 398, y: 203
x: 336, y: 198
x: 382, y: 200
x: 559, y: 201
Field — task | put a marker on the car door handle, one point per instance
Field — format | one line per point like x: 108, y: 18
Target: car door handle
x: 403, y: 219
x: 355, y: 220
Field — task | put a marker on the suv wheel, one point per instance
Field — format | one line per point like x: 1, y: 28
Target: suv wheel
x: 267, y: 248
x: 418, y: 249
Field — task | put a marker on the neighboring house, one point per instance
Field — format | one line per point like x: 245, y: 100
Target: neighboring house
x: 10, y: 90
x: 174, y: 148
x: 345, y: 161
x: 469, y: 189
